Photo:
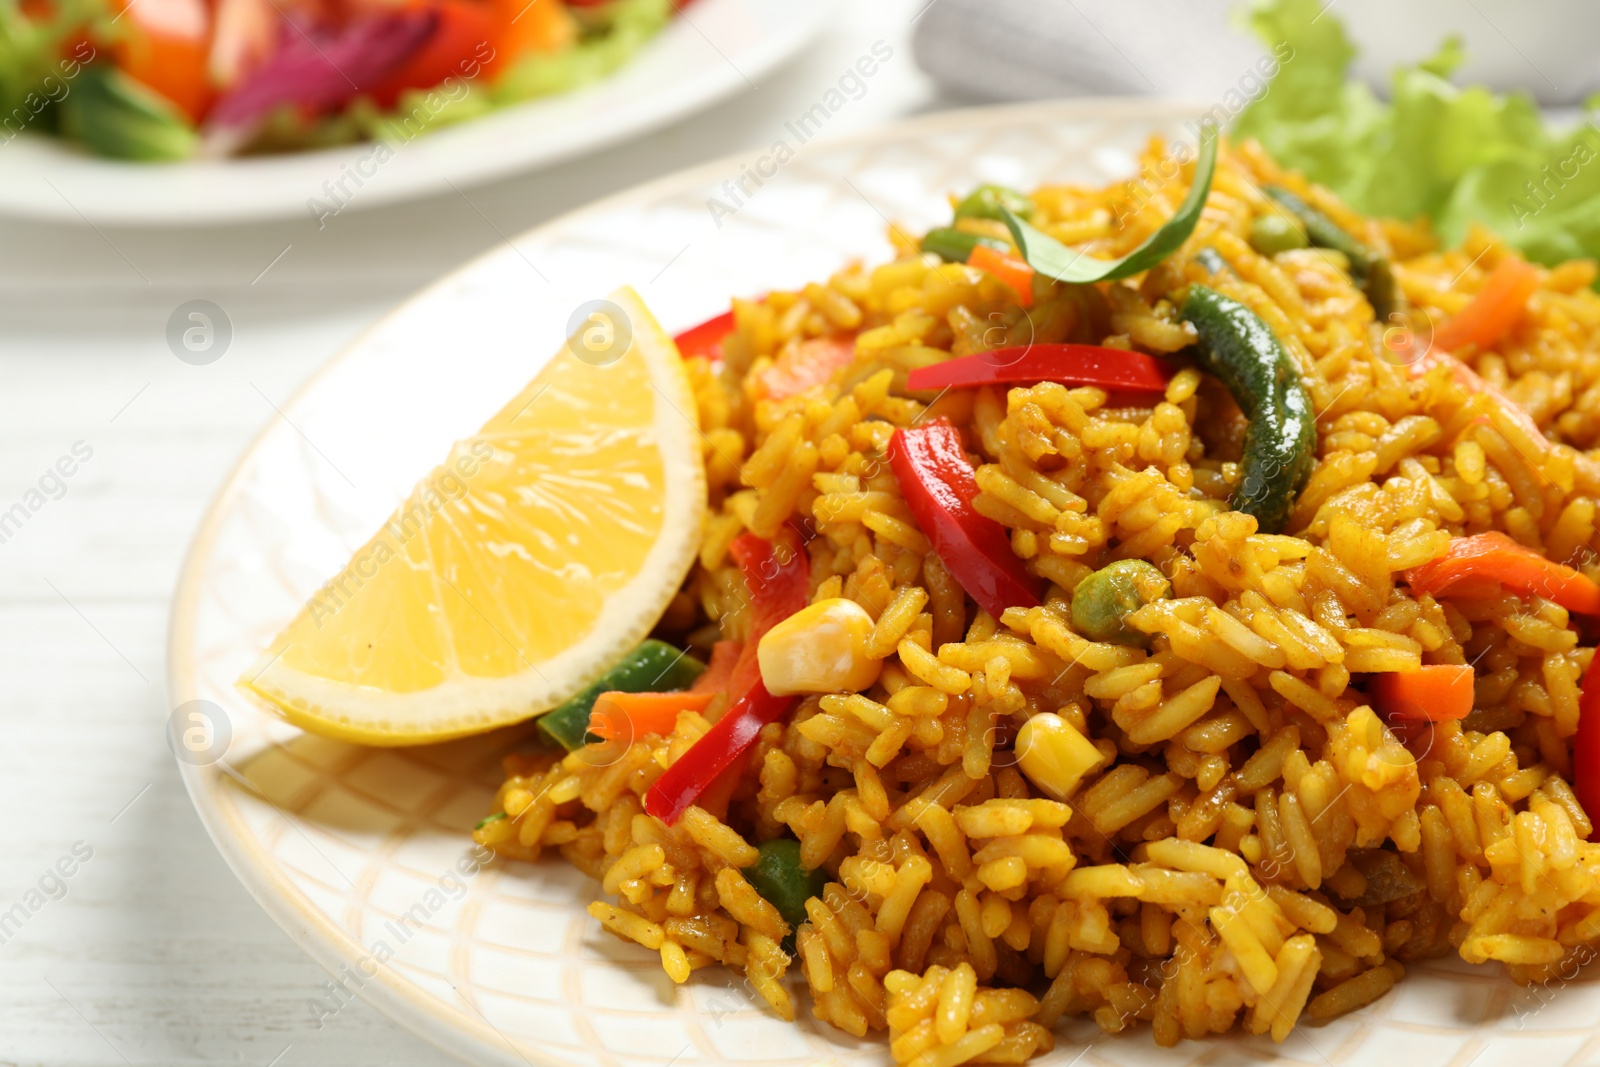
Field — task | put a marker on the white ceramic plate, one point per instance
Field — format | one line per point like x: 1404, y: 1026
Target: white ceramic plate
x: 703, y: 55
x: 339, y: 842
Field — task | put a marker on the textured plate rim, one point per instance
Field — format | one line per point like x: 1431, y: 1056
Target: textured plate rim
x: 331, y: 946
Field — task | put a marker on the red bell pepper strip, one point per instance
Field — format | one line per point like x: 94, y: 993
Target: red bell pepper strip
x: 1436, y: 693
x: 1109, y: 368
x: 1586, y: 745
x: 938, y: 485
x: 681, y: 784
x: 461, y: 36
x: 778, y: 577
x: 807, y: 365
x: 1013, y: 270
x: 1481, y: 563
x: 705, y: 340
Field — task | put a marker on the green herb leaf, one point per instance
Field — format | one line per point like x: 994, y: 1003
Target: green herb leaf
x: 1055, y: 260
x: 487, y: 819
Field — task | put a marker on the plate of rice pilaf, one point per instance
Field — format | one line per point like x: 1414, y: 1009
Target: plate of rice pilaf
x: 1129, y: 601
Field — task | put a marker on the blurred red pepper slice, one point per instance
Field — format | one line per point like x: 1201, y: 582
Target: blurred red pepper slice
x: 778, y: 576
x: 1109, y: 368
x: 463, y: 37
x: 1586, y: 745
x: 807, y: 365
x: 705, y: 340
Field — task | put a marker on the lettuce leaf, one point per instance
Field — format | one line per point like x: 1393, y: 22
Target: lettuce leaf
x: 1453, y: 155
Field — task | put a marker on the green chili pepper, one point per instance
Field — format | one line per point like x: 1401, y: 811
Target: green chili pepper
x: 780, y: 879
x: 1271, y: 234
x: 954, y: 246
x: 653, y: 667
x: 1242, y: 350
x: 986, y: 202
x: 1368, y: 269
x: 1102, y: 602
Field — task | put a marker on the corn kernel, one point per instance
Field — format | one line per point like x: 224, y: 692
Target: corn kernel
x: 819, y: 649
x: 1054, y: 755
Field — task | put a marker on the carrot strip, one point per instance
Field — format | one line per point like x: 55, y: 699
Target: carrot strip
x: 1012, y: 270
x: 1436, y: 693
x: 807, y: 365
x: 1494, y: 310
x: 1474, y: 383
x: 719, y: 673
x: 1482, y: 562
x: 632, y: 715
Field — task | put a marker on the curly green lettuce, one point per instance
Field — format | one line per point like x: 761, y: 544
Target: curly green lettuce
x: 1454, y: 155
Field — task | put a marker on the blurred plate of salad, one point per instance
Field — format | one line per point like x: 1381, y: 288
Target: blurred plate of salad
x: 165, y: 111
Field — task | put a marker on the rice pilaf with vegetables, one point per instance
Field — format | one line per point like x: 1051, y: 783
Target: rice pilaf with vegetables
x: 1196, y: 641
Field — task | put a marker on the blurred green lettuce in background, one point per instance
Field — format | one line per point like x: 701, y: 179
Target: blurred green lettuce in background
x: 1454, y: 155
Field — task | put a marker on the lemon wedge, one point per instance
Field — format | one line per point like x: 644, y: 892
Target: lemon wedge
x: 542, y: 550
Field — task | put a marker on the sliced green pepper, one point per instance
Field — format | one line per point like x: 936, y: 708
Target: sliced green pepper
x: 954, y: 246
x: 653, y: 667
x: 986, y: 202
x: 1102, y: 602
x: 1367, y: 268
x: 1241, y: 350
x: 780, y: 879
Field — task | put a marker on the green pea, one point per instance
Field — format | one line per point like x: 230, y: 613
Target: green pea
x: 1367, y: 269
x: 1103, y: 601
x: 985, y: 202
x: 1271, y: 234
x: 780, y: 879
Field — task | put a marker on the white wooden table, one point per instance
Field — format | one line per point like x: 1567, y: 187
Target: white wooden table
x: 150, y: 952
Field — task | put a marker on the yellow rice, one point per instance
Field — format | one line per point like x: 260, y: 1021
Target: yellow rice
x: 1258, y: 849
